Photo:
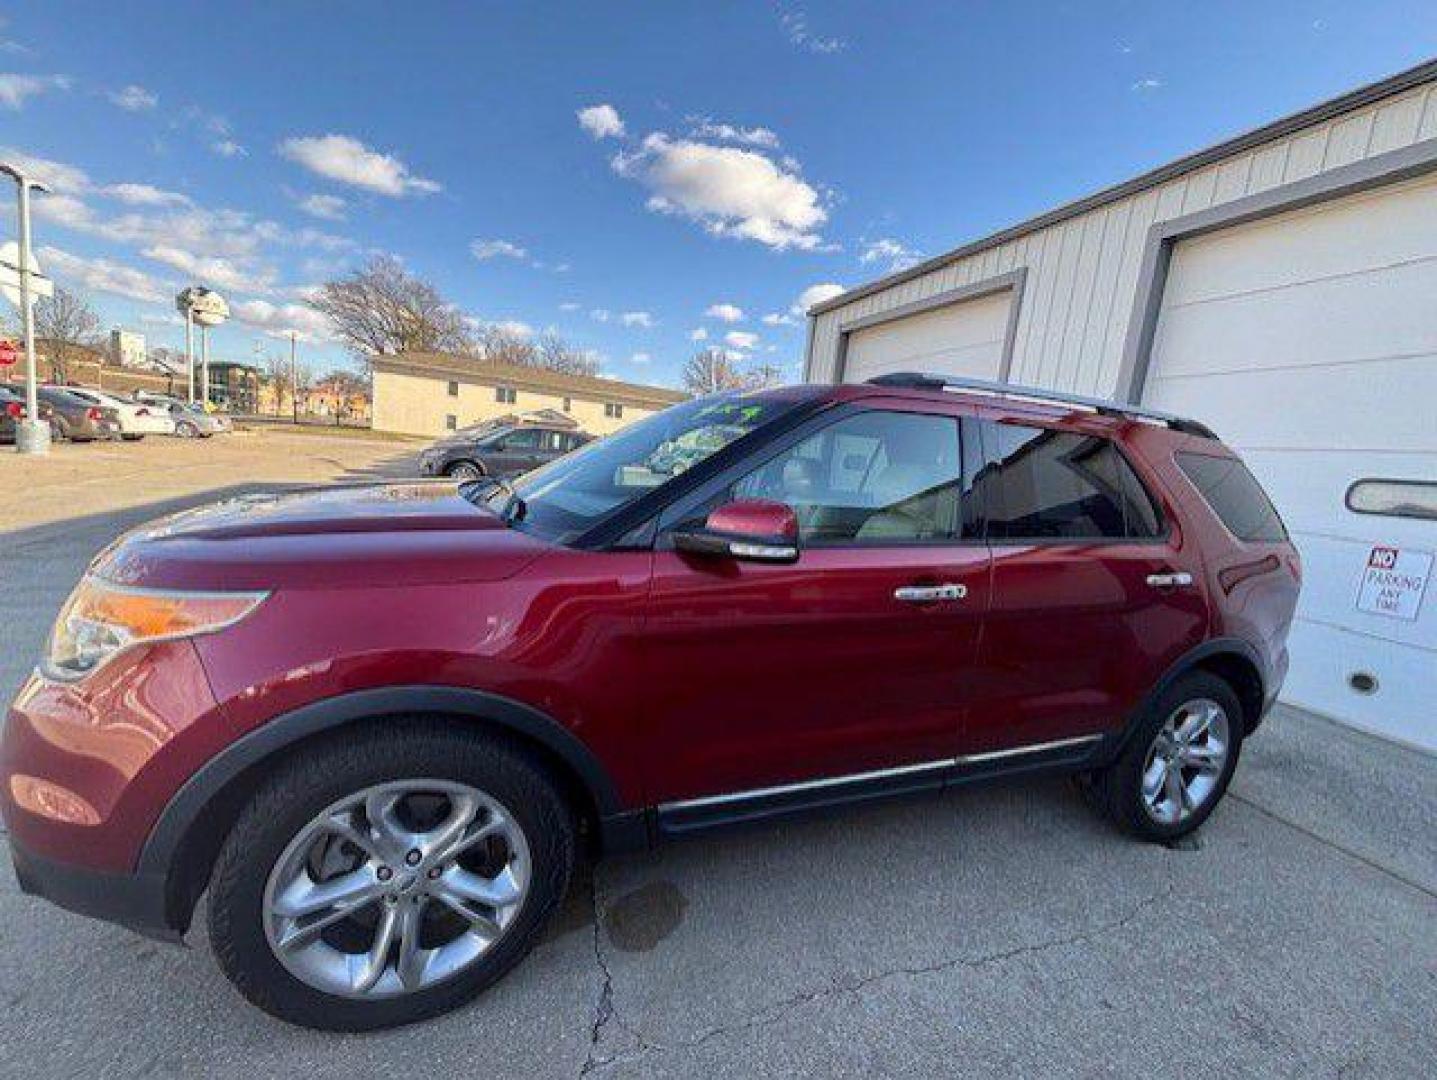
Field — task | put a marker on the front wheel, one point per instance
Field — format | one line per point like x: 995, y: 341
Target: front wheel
x: 389, y: 877
x: 464, y: 470
x: 1178, y: 763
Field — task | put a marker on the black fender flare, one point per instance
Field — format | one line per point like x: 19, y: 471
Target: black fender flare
x: 1223, y: 646
x: 184, y: 810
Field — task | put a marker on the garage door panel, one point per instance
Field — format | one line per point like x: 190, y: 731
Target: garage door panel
x: 1338, y: 320
x: 1308, y: 341
x: 965, y: 339
x: 1345, y: 407
x: 1397, y: 224
x: 1325, y: 657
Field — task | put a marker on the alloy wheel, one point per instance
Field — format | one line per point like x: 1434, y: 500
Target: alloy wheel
x: 1185, y: 762
x: 396, y: 888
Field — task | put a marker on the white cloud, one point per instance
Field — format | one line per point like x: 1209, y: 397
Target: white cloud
x: 133, y: 98
x: 896, y: 255
x: 570, y: 305
x: 228, y: 148
x: 599, y: 314
x: 497, y: 249
x: 637, y: 318
x: 640, y: 358
x: 815, y: 294
x: 704, y: 128
x: 280, y: 320
x: 774, y: 318
x: 102, y: 275
x: 15, y: 90
x: 601, y: 121
x: 56, y: 175
x: 328, y: 207
x: 740, y: 339
x: 1147, y: 84
x: 795, y: 24
x: 699, y: 333
x: 725, y: 312
x: 515, y: 328
x: 729, y: 191
x: 214, y: 271
x: 161, y: 318
x: 145, y: 195
x: 348, y: 161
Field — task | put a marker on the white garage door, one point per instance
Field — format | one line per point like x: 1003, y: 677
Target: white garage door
x: 1308, y: 341
x: 965, y: 339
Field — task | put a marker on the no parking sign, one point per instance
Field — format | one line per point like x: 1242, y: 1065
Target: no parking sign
x: 1393, y: 582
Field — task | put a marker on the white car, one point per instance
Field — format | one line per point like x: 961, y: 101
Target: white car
x: 137, y: 418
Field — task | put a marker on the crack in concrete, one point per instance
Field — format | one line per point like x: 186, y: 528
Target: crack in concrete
x: 780, y: 1010
x: 604, y: 1009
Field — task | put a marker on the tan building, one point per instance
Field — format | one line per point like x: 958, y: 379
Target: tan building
x: 430, y: 393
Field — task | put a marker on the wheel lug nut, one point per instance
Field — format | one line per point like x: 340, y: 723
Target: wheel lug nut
x: 413, y: 857
x: 384, y: 873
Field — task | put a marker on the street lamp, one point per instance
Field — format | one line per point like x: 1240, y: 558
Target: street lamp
x: 32, y: 435
x: 204, y: 308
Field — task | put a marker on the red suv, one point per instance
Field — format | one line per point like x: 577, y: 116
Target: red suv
x: 378, y: 723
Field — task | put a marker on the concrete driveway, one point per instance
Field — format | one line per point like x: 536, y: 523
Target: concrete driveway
x: 993, y: 931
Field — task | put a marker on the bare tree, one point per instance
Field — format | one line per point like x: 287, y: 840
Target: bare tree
x: 710, y: 370
x: 301, y: 377
x: 381, y: 309
x: 69, y: 326
x: 275, y: 371
x: 492, y: 341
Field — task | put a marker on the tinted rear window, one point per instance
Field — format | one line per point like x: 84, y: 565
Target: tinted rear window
x: 1043, y: 484
x: 1234, y: 495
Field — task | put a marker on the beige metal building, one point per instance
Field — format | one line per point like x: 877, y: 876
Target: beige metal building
x: 1282, y: 288
x: 430, y: 393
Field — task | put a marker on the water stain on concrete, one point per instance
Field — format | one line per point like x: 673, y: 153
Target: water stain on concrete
x: 640, y: 919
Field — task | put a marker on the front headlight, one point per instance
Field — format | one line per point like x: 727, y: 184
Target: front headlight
x: 100, y: 620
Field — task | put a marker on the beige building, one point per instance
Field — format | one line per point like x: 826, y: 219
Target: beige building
x: 430, y: 393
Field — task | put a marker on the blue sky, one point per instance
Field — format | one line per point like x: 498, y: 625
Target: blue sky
x: 628, y: 174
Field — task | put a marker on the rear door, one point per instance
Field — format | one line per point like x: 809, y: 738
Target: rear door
x: 855, y: 660
x: 1096, y: 590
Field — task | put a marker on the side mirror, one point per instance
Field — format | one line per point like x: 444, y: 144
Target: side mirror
x: 752, y: 530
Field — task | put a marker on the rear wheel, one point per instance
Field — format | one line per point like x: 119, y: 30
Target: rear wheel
x: 464, y: 470
x: 389, y: 877
x: 1179, y: 762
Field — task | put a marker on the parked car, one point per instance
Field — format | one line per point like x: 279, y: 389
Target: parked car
x: 193, y: 422
x: 379, y: 722
x: 73, y: 417
x: 503, y: 450
x: 136, y: 419
x: 12, y: 411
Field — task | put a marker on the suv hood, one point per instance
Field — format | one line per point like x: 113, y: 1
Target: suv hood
x: 380, y: 534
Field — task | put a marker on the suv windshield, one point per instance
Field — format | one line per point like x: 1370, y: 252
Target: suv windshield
x: 570, y: 495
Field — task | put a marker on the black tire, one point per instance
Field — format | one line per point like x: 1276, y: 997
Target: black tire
x: 185, y: 430
x: 464, y: 470
x: 1117, y: 789
x: 334, y: 769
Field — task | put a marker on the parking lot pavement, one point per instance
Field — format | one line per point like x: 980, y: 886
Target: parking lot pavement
x: 999, y: 930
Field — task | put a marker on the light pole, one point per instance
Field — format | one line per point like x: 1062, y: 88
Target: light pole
x: 32, y: 435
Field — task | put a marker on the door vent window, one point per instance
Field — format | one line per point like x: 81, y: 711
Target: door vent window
x: 1394, y: 498
x: 1235, y: 496
x: 1043, y: 484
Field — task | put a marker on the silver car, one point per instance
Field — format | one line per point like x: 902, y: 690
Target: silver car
x: 191, y: 422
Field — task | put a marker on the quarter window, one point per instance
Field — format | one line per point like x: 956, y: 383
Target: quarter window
x: 1234, y: 495
x: 1037, y: 483
x: 874, y: 478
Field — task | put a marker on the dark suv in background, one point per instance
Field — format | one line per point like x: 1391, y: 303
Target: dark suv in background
x: 502, y: 448
x: 378, y: 725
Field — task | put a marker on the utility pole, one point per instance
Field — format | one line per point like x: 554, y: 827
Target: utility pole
x: 293, y: 377
x: 32, y: 436
x: 205, y: 366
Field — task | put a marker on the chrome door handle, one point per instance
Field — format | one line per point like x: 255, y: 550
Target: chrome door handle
x: 1178, y: 580
x: 929, y: 594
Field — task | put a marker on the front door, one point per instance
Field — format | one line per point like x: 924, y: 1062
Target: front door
x: 1094, y: 590
x: 853, y: 660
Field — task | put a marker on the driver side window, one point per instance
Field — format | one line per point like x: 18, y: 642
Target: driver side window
x: 873, y: 478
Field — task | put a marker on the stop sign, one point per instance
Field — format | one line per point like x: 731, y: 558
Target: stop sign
x: 9, y: 353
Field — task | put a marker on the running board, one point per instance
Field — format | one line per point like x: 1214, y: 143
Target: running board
x: 711, y: 811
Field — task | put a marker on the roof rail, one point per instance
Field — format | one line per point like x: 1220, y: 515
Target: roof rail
x: 917, y: 380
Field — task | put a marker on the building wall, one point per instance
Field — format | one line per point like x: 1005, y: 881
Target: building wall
x: 418, y: 405
x: 1083, y: 272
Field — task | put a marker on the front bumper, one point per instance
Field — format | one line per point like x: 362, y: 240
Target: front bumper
x: 135, y: 901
